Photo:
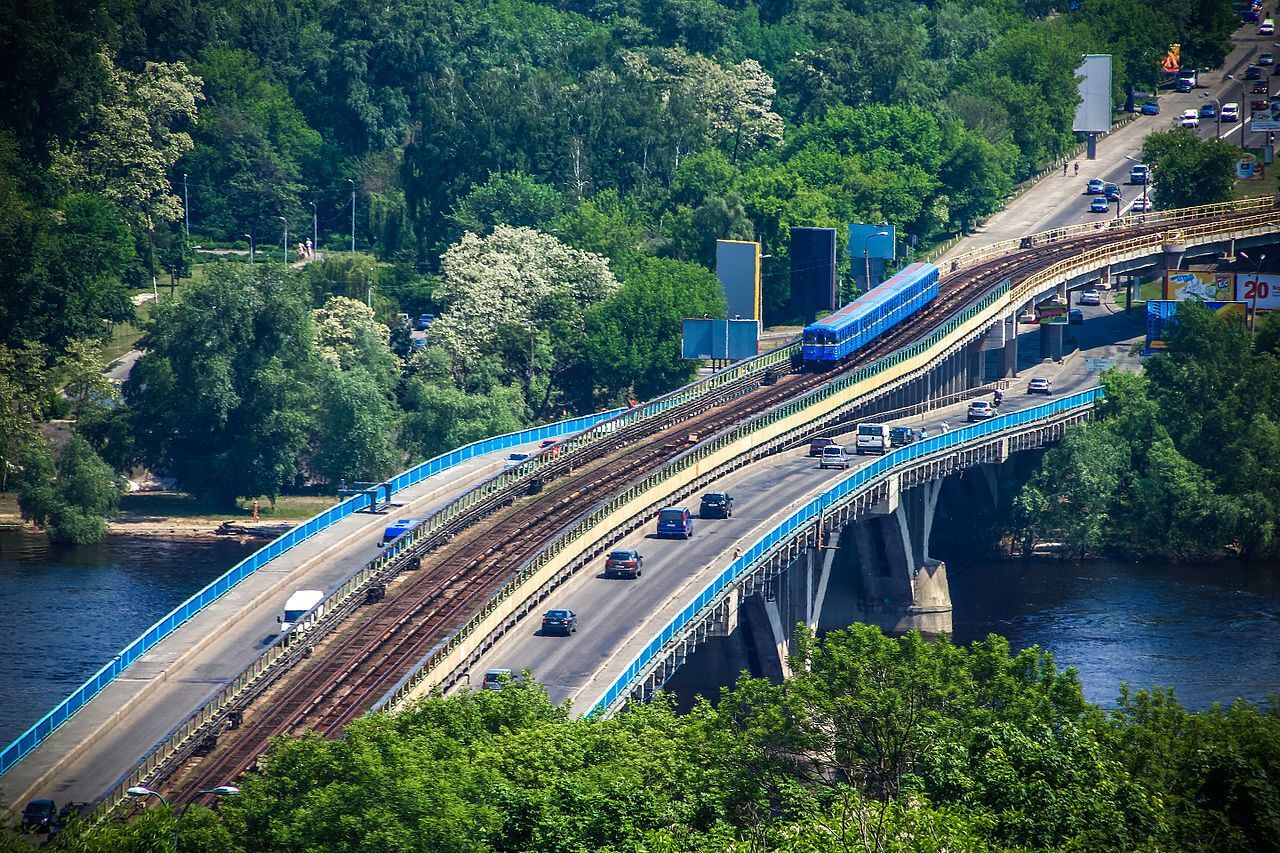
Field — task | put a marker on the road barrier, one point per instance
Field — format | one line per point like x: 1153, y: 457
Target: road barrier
x: 817, y: 508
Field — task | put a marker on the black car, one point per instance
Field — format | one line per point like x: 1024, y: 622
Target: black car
x: 560, y: 622
x: 716, y: 505
x: 1075, y: 317
x: 625, y: 563
x: 39, y: 815
x: 1253, y: 72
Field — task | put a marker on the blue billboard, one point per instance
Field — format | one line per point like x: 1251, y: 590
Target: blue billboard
x: 712, y: 337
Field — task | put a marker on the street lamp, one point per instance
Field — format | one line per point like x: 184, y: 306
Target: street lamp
x: 286, y: 238
x: 315, y: 230
x: 249, y: 237
x: 353, y: 215
x: 1245, y: 110
x: 143, y: 792
x: 1253, y: 311
x: 866, y: 258
x: 186, y: 208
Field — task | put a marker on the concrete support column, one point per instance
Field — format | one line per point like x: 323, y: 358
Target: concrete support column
x: 1009, y: 354
x: 1055, y: 341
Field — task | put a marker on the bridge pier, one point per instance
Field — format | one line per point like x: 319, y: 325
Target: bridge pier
x: 1009, y: 354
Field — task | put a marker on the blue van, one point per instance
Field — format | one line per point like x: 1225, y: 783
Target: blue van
x: 397, y: 528
x: 675, y: 522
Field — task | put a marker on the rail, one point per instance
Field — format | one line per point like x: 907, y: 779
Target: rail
x: 815, y: 509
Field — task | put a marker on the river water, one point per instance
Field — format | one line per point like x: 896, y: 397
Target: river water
x: 1211, y: 632
x: 66, y: 610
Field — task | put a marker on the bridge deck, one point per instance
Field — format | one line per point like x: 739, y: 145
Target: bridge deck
x: 109, y: 736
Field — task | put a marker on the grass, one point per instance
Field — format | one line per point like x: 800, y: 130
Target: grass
x: 1146, y: 291
x: 1269, y: 184
x: 124, y: 337
x: 179, y: 505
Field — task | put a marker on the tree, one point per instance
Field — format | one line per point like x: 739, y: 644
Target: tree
x: 83, y: 373
x: 1187, y: 170
x: 22, y: 382
x: 72, y: 498
x: 513, y: 198
x: 357, y: 425
x: 223, y: 396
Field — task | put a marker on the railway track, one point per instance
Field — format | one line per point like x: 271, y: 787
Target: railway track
x: 362, y: 660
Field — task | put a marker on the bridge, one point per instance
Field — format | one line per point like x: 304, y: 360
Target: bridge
x: 424, y: 614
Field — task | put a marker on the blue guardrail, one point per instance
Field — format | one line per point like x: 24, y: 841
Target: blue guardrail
x: 32, y: 737
x: 811, y: 510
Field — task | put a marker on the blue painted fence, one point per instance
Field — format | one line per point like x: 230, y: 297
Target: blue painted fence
x: 29, y: 739
x: 807, y: 513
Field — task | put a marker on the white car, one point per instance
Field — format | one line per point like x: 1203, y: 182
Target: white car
x: 1089, y: 297
x: 1189, y: 118
x: 980, y: 410
x: 1143, y: 205
x: 1230, y: 112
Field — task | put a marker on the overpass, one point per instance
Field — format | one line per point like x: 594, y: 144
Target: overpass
x: 699, y: 433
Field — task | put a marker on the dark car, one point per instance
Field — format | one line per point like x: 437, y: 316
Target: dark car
x: 1150, y: 108
x: 1184, y: 84
x: 816, y: 445
x: 675, y: 522
x: 1261, y: 87
x: 900, y: 436
x: 1075, y: 317
x: 716, y: 505
x: 1111, y: 191
x: 1259, y: 106
x: 626, y: 563
x: 1208, y: 110
x: 39, y: 815
x: 424, y: 321
x: 1253, y: 72
x: 560, y: 622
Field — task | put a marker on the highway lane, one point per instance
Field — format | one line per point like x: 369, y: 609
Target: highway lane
x: 617, y: 617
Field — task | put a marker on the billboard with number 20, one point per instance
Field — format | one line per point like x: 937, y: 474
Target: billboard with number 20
x: 1261, y: 290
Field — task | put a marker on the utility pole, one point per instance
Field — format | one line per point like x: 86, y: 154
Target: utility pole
x: 353, y: 215
x: 186, y: 210
x: 368, y: 294
x: 315, y: 230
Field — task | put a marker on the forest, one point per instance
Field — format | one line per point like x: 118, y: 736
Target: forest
x: 548, y: 178
x: 876, y: 744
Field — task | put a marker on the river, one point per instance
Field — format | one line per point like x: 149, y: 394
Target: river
x: 66, y: 610
x: 1210, y: 631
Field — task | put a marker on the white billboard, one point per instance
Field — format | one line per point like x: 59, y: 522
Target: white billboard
x: 1264, y: 114
x: 1259, y: 290
x: 1093, y: 115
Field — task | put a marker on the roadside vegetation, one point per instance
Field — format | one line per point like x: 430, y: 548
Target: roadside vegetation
x: 1183, y: 460
x: 876, y: 744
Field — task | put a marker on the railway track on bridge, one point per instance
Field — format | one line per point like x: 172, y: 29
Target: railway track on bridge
x: 355, y: 666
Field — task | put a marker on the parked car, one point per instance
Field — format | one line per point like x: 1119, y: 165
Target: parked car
x: 1075, y: 317
x: 901, y: 436
x: 980, y: 410
x: 419, y: 344
x: 514, y: 459
x: 833, y: 456
x: 424, y: 321
x: 496, y: 679
x: 1230, y: 112
x: 1089, y: 296
x: 816, y: 445
x: 1189, y: 118
x: 1139, y: 173
x: 1111, y: 191
x: 1039, y: 386
x: 1208, y: 110
x: 1100, y: 204
x: 1143, y: 205
x: 716, y: 505
x: 560, y: 622
x: 39, y: 815
x: 675, y: 522
x: 1150, y: 108
x: 1095, y: 186
x: 626, y: 563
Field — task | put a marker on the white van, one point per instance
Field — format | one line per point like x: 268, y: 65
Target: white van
x: 833, y: 456
x: 495, y: 678
x: 298, y: 605
x: 872, y: 438
x: 1268, y: 27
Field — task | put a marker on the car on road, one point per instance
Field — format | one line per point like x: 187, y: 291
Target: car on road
x: 1266, y: 59
x: 495, y: 679
x: 816, y: 445
x: 1039, y: 386
x: 1253, y: 72
x: 38, y: 816
x: 514, y: 459
x: 560, y: 622
x: 549, y: 447
x: 1209, y: 110
x: 1184, y: 84
x: 833, y: 456
x: 1111, y: 191
x: 675, y: 522
x: 1262, y: 87
x: 1189, y: 119
x: 980, y: 410
x: 716, y: 505
x: 1095, y: 186
x: 901, y: 436
x: 1268, y: 27
x: 1230, y: 112
x: 1075, y: 317
x: 1150, y: 108
x: 1143, y: 205
x: 1139, y: 173
x: 423, y: 321
x: 1089, y: 297
x: 1100, y: 204
x: 624, y: 563
x: 419, y: 344
x: 1258, y: 105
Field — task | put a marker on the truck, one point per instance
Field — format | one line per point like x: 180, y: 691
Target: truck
x: 396, y: 529
x: 298, y: 604
x: 1187, y: 80
x: 872, y: 438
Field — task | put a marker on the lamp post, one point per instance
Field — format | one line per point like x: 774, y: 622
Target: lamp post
x: 1245, y: 109
x: 866, y: 257
x: 186, y: 210
x: 353, y: 215
x: 286, y: 238
x: 249, y: 237
x: 315, y: 230
x: 142, y: 793
x: 1257, y: 270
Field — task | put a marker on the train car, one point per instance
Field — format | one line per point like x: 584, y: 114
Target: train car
x: 844, y: 332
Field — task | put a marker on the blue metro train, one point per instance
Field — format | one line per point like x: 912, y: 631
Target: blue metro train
x: 855, y: 325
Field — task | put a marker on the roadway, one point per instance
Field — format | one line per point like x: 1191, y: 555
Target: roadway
x: 116, y: 729
x: 618, y: 617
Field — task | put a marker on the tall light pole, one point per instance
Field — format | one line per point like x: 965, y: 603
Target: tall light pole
x: 143, y: 792
x: 1257, y: 271
x: 186, y: 210
x: 866, y: 257
x: 286, y: 238
x: 250, y: 238
x: 353, y: 215
x: 315, y: 230
x: 1245, y: 110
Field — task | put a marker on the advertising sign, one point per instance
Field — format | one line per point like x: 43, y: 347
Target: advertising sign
x: 717, y: 338
x: 1266, y: 118
x: 1172, y: 60
x: 738, y: 269
x: 1161, y: 314
x: 1052, y: 314
x: 813, y: 271
x: 1093, y: 115
x: 1260, y: 290
x: 1248, y: 168
x: 1205, y: 285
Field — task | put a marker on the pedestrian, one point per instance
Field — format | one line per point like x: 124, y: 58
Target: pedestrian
x: 946, y: 427
x: 1077, y: 168
x: 1064, y: 168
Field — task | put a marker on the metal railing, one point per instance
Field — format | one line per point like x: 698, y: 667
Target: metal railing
x: 815, y: 509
